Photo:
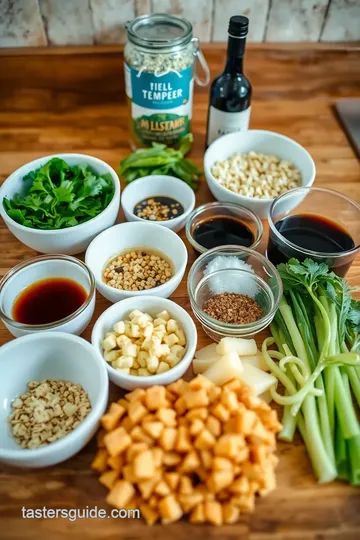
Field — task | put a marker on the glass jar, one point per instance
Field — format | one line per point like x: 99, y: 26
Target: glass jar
x: 160, y: 68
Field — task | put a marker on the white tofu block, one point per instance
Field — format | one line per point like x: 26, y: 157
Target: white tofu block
x: 159, y: 332
x: 135, y: 313
x: 259, y: 381
x: 159, y: 322
x: 163, y: 366
x: 147, y: 343
x: 136, y: 364
x: 133, y: 371
x: 142, y: 320
x: 243, y: 347
x: 130, y: 349
x: 256, y: 360
x: 226, y: 368
x: 171, y: 326
x: 171, y: 339
x: 119, y: 327
x: 127, y: 328
x: 266, y: 396
x: 109, y: 343
x: 163, y: 315
x: 206, y: 352
x: 200, y: 365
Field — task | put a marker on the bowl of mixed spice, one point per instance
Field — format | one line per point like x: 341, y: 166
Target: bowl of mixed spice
x: 160, y: 199
x: 234, y: 291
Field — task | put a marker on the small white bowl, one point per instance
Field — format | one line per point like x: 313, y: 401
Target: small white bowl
x: 159, y: 185
x: 151, y: 305
x: 71, y: 240
x: 50, y: 356
x: 43, y: 267
x: 266, y: 142
x: 140, y: 236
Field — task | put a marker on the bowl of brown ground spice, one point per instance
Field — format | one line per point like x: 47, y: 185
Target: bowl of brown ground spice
x: 234, y: 291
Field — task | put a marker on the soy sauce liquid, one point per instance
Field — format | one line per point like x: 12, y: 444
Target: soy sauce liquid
x: 48, y: 300
x: 221, y: 231
x: 313, y: 232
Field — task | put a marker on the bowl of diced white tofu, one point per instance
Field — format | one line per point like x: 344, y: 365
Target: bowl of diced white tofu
x: 145, y: 341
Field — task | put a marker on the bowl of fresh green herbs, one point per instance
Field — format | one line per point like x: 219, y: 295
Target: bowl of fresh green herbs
x: 58, y: 204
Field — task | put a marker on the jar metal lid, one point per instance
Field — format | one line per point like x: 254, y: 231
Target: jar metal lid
x: 159, y: 30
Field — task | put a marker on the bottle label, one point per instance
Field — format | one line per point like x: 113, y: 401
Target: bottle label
x: 222, y: 123
x: 161, y: 104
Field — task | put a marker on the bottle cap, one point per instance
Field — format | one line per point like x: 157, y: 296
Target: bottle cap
x: 238, y: 26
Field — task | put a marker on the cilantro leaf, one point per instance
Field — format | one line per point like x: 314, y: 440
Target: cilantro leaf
x: 60, y: 196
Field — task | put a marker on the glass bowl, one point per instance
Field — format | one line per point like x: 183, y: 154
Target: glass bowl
x: 262, y: 283
x: 329, y: 206
x: 216, y: 209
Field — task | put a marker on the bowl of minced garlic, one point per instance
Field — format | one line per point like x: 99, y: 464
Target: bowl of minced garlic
x: 190, y: 449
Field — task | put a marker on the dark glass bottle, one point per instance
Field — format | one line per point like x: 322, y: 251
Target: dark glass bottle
x: 230, y: 92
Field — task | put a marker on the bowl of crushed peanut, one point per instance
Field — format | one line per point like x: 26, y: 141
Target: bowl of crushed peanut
x: 53, y: 391
x: 132, y: 259
x: 252, y: 168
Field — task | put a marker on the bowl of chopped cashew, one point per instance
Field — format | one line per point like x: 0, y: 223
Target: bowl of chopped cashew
x: 252, y: 168
x: 53, y: 391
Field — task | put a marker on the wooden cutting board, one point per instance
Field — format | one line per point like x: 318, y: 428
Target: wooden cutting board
x: 64, y: 100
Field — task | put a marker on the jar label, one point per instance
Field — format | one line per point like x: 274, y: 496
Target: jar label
x: 222, y: 122
x: 161, y: 104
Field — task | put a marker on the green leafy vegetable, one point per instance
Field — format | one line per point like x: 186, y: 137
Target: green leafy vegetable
x: 60, y: 196
x: 160, y: 159
x: 316, y: 331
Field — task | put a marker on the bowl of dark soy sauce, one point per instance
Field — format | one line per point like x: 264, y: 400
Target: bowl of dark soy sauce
x: 222, y: 224
x: 323, y: 225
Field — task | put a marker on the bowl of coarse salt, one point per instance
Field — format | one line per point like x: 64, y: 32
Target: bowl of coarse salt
x: 234, y: 291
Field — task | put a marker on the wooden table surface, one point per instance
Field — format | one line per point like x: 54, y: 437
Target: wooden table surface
x: 72, y: 100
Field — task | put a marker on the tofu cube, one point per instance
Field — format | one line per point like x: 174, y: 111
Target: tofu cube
x: 178, y: 350
x: 181, y: 336
x: 135, y: 313
x: 164, y: 350
x: 148, y: 330
x: 171, y: 339
x: 129, y: 349
x: 152, y: 363
x: 124, y: 362
x: 172, y: 359
x: 109, y: 343
x: 142, y: 358
x: 143, y: 372
x: 159, y: 322
x: 111, y: 356
x: 135, y: 331
x: 171, y: 326
x: 163, y: 315
x: 163, y: 366
x: 122, y: 340
x: 124, y: 371
x: 147, y: 343
x: 119, y: 327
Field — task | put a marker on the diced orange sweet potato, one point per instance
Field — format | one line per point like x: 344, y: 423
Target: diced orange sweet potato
x: 197, y: 515
x: 149, y: 514
x: 108, y: 478
x: 183, y: 442
x: 170, y: 510
x: 117, y: 441
x: 144, y: 465
x: 99, y: 462
x: 136, y: 395
x: 136, y: 411
x: 213, y: 512
x: 155, y: 398
x: 112, y: 417
x: 204, y: 440
x: 121, y: 493
x: 168, y: 438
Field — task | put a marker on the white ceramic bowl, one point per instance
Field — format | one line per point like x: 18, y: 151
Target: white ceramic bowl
x: 267, y: 142
x: 70, y: 240
x: 151, y: 305
x: 43, y: 267
x: 159, y: 185
x: 50, y: 356
x: 135, y: 235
